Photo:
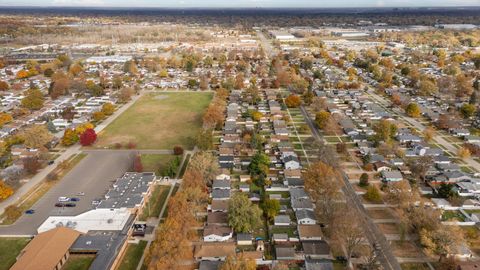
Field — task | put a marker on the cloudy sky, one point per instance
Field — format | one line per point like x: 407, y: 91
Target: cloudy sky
x: 242, y: 3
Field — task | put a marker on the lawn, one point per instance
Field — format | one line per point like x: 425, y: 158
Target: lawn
x: 156, y: 163
x: 452, y: 216
x: 159, y: 121
x: 78, y: 262
x: 9, y: 250
x: 414, y: 266
x: 156, y: 202
x: 132, y: 256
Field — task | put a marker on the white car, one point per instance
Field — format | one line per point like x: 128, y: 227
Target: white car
x: 63, y: 199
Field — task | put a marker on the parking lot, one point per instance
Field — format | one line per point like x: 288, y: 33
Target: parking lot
x: 93, y: 176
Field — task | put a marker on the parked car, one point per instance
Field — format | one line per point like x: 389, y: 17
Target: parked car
x: 63, y: 199
x: 59, y: 204
x: 50, y: 162
x: 70, y: 205
x: 74, y: 199
x: 30, y: 212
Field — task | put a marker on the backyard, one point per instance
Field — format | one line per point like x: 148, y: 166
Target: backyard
x: 132, y: 256
x: 9, y: 249
x: 159, y: 121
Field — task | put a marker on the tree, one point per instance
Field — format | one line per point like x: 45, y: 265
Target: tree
x: 5, y: 190
x: 468, y: 110
x: 259, y: 165
x: 5, y: 118
x: 420, y: 166
x: 271, y: 208
x: 413, y: 110
x: 322, y: 118
x: 293, y: 101
x: 22, y: 74
x: 322, y: 182
x: 385, y: 130
x: 364, y: 180
x: 206, y: 164
x: 130, y: 67
x: 13, y: 212
x: 243, y: 215
x: 126, y: 94
x: 108, y: 108
x: 446, y: 191
x: 33, y: 99
x: 4, y: 86
x: 238, y: 263
x: 177, y: 150
x: 429, y: 133
x: 98, y: 116
x: 427, y: 87
x: 349, y: 233
x: 441, y: 242
x: 36, y: 136
x: 70, y: 137
x: 31, y: 165
x: 464, y: 153
x: 88, y: 137
x: 204, y: 139
x: 373, y: 194
x: 137, y: 163
x: 256, y: 115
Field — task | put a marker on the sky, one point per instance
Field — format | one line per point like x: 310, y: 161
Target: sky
x: 242, y: 3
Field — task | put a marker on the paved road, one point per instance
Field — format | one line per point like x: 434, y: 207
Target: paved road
x: 267, y: 46
x: 75, y: 149
x: 93, y: 175
x: 414, y: 122
x: 372, y: 233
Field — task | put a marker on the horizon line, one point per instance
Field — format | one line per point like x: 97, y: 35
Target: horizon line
x: 237, y: 7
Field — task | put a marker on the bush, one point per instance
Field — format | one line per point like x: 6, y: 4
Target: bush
x: 177, y: 150
x: 52, y: 176
x: 131, y: 145
x: 117, y: 145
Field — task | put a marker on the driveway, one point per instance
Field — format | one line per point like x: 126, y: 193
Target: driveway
x: 94, y: 175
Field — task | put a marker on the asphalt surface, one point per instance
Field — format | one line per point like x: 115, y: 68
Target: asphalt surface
x: 372, y: 232
x: 93, y: 175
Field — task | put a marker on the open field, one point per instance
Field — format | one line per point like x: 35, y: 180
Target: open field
x: 132, y: 256
x: 9, y: 250
x: 159, y: 121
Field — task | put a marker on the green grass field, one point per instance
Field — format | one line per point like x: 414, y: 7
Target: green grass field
x: 156, y: 163
x: 159, y: 121
x: 78, y: 262
x: 156, y: 202
x: 132, y: 256
x: 9, y: 250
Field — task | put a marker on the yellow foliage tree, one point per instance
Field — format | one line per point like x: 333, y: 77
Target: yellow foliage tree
x: 5, y: 190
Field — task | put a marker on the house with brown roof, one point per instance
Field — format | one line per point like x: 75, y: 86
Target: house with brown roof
x: 216, y: 233
x: 214, y: 251
x: 310, y: 232
x: 47, y: 251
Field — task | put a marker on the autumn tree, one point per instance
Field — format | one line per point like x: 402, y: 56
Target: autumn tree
x: 88, y: 137
x: 5, y: 190
x: 427, y: 87
x: 4, y: 86
x: 5, y: 118
x: 204, y: 139
x: 177, y: 150
x: 108, y: 108
x: 206, y: 164
x: 413, y: 110
x: 468, y: 110
x: 429, y: 133
x: 363, y: 180
x: 243, y: 215
x: 322, y: 182
x: 322, y: 118
x: 33, y: 99
x: 70, y: 137
x: 31, y: 165
x: 349, y: 234
x: 271, y: 208
x: 385, y: 130
x: 441, y: 242
x: 36, y: 136
x: 464, y: 153
x: 130, y: 67
x: 137, y: 163
x: 238, y: 262
x: 293, y: 101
